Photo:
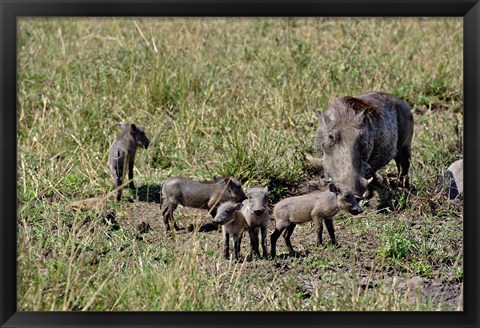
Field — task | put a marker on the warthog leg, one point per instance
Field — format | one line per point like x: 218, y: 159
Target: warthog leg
x: 263, y: 231
x: 168, y: 216
x: 319, y: 230
x: 273, y: 240
x: 287, y: 236
x: 130, y: 174
x: 118, y: 183
x: 253, y: 233
x: 403, y: 164
x: 237, y: 239
x: 331, y: 231
x: 226, y: 250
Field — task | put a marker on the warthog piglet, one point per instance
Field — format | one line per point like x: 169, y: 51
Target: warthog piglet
x: 122, y: 154
x: 255, y: 211
x: 230, y: 217
x: 317, y: 206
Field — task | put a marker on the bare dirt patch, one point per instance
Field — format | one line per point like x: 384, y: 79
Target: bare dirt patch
x: 355, y: 256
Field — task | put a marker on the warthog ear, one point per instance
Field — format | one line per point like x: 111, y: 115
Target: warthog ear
x: 362, y: 107
x: 358, y: 119
x: 133, y: 128
x: 357, y: 105
x: 238, y: 207
x: 266, y: 189
x: 333, y: 188
x: 122, y: 125
x: 366, y: 182
x: 217, y: 178
x: 323, y: 120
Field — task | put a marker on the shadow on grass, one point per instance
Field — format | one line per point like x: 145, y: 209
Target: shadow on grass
x: 296, y: 255
x: 390, y: 196
x: 148, y: 193
x: 206, y: 227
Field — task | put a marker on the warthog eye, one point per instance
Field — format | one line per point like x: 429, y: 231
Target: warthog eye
x: 330, y: 141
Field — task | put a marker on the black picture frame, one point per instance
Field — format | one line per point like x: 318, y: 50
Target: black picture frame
x: 11, y: 10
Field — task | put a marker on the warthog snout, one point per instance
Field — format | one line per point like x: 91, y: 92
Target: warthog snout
x: 258, y: 212
x: 355, y: 209
x: 350, y: 203
x: 143, y: 141
x: 347, y: 201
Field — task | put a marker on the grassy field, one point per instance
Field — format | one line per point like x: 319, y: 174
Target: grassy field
x: 228, y: 97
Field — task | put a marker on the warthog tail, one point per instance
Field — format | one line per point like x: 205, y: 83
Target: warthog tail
x: 161, y: 195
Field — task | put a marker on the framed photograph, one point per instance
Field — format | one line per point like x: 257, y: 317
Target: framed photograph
x: 222, y: 163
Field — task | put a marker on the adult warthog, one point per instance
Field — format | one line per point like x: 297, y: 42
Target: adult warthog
x: 358, y: 135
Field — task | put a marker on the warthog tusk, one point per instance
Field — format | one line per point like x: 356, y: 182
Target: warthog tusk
x: 314, y: 161
x: 366, y: 182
